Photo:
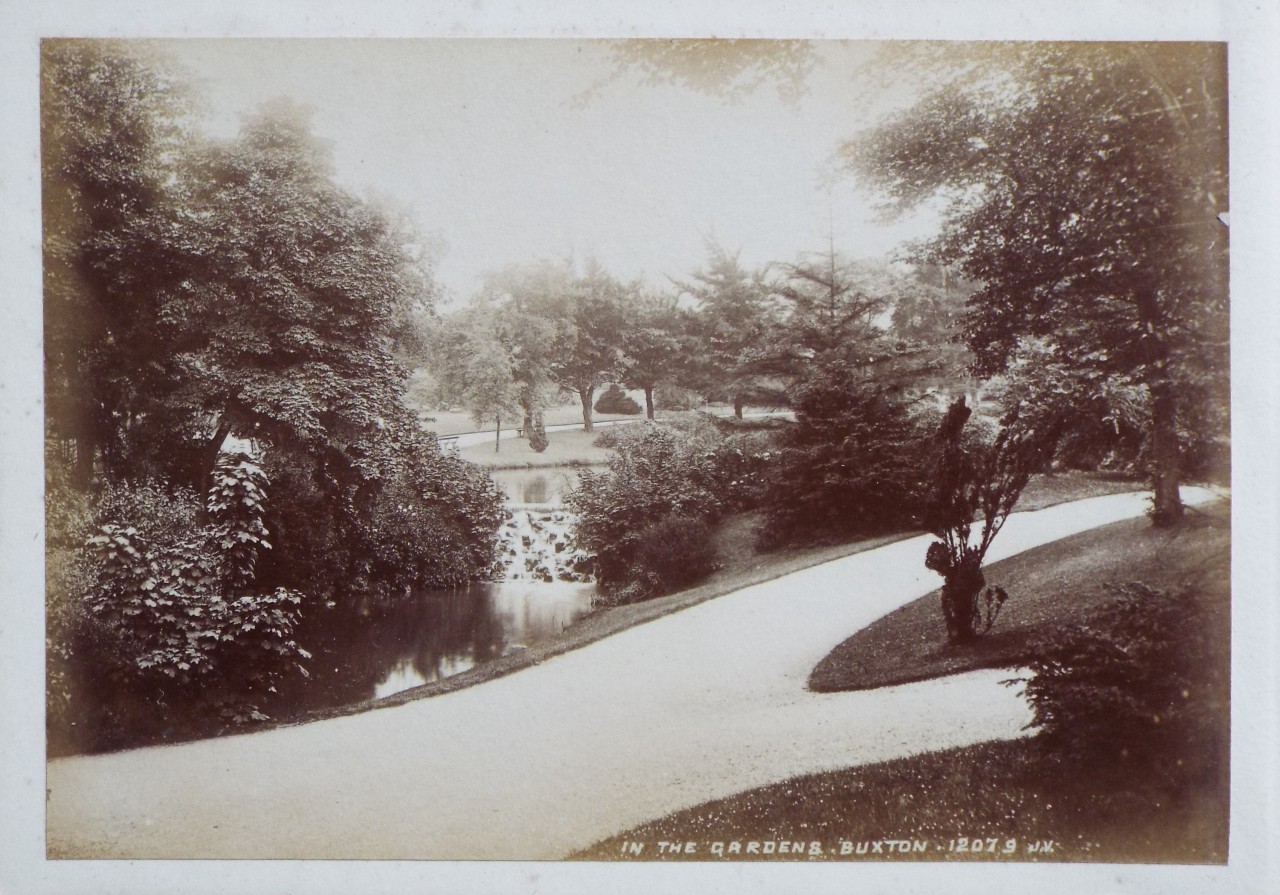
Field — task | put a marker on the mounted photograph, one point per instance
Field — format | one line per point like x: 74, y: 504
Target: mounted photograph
x: 648, y: 450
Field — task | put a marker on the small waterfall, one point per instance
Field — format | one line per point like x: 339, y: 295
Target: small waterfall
x: 536, y: 546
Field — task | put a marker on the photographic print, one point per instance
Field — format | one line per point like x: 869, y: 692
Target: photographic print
x: 575, y: 452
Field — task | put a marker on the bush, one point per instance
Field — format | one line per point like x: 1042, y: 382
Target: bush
x: 1127, y: 690
x: 395, y: 512
x: 687, y: 470
x: 615, y: 400
x: 612, y: 436
x: 165, y: 624
x: 675, y: 553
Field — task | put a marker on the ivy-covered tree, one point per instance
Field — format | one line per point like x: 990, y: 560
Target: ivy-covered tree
x: 1082, y: 185
x: 199, y: 290
x: 973, y: 486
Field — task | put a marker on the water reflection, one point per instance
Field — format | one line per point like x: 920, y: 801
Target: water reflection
x: 432, y: 636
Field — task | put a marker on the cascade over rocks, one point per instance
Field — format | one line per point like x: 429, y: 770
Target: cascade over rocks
x: 535, y: 546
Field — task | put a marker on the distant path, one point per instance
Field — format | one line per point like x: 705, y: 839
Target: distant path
x: 693, y: 706
x: 467, y: 439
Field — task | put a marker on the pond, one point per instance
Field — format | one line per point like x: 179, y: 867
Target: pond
x: 372, y: 652
x: 432, y: 636
x: 361, y: 651
x: 539, y: 486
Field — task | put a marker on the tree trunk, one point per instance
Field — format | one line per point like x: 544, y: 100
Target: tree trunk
x: 1166, y: 460
x: 586, y: 395
x: 738, y: 404
x: 960, y: 600
x: 210, y: 459
x: 648, y: 401
x: 497, y: 433
x: 83, y: 473
x: 1165, y: 456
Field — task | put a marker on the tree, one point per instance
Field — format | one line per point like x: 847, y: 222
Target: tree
x: 849, y: 465
x: 201, y: 289
x: 587, y: 352
x: 1082, y: 187
x: 110, y: 131
x: 734, y: 318
x: 491, y: 391
x: 657, y: 346
x: 716, y: 66
x: 535, y: 308
x: 832, y: 311
x: 976, y: 482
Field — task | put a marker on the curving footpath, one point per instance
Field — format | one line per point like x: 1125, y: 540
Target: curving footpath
x: 692, y: 706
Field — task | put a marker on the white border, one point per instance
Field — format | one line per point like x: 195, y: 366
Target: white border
x: 1252, y: 33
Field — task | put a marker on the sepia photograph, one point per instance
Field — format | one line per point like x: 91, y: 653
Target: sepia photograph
x: 574, y: 451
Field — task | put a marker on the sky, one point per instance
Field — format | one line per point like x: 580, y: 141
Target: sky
x: 511, y: 151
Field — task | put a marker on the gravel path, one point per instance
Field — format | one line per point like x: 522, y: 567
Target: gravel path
x: 693, y: 706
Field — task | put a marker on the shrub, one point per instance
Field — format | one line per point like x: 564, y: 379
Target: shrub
x: 687, y: 470
x: 394, y: 513
x: 615, y: 400
x: 973, y: 486
x: 1127, y: 690
x: 166, y: 625
x: 675, y: 552
x: 612, y: 436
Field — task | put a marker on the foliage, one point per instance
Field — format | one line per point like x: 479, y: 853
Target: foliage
x: 678, y: 398
x: 245, y: 293
x: 109, y: 128
x: 659, y: 472
x: 718, y: 66
x: 1081, y: 186
x: 202, y: 289
x: 529, y: 304
x: 1123, y: 690
x: 615, y: 400
x: 735, y: 318
x: 588, y: 353
x: 563, y: 330
x: 171, y: 613
x: 849, y: 464
x: 1103, y: 416
x: 973, y: 482
x: 658, y: 347
x: 671, y: 554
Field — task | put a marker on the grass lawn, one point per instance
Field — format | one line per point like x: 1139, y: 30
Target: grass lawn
x: 1009, y: 795
x: 1052, y: 585
x: 567, y: 448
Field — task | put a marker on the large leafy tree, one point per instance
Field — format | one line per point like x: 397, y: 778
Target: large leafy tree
x: 533, y: 308
x: 587, y: 353
x: 1082, y: 187
x: 201, y: 289
x: 110, y: 133
x: 658, y: 347
x: 476, y: 365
